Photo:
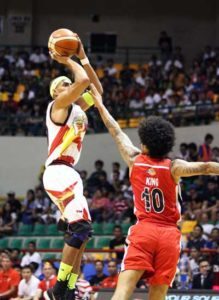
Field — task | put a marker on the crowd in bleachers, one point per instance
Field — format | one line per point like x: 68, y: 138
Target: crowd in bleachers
x: 185, y: 95
x: 110, y: 202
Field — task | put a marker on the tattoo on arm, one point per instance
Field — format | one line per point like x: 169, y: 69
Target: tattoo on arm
x: 126, y: 147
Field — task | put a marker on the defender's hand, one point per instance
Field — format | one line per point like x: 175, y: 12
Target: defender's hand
x: 81, y: 54
x: 60, y: 59
x: 98, y: 101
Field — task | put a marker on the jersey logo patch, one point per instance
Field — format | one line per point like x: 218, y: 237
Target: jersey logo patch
x: 151, y: 172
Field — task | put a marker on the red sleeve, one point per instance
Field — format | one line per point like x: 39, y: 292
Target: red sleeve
x: 40, y: 286
x: 15, y: 279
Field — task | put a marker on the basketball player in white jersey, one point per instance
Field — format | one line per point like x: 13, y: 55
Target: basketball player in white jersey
x: 66, y: 123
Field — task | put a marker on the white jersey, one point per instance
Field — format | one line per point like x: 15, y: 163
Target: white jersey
x: 65, y: 141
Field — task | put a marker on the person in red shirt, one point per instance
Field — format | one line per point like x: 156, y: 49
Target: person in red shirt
x: 48, y: 281
x: 9, y: 279
x: 111, y: 280
x: 153, y: 243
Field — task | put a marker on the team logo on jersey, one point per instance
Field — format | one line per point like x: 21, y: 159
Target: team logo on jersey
x: 151, y: 172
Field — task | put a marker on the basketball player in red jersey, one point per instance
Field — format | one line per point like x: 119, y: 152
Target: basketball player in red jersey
x: 153, y: 243
x: 66, y: 124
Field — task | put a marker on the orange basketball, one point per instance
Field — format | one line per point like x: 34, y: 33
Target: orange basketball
x: 64, y: 42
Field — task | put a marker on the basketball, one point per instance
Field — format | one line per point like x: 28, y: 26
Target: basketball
x: 64, y: 42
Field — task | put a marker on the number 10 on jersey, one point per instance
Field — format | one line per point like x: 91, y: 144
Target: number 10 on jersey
x: 154, y: 200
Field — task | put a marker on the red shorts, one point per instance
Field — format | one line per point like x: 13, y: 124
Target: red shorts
x: 155, y: 249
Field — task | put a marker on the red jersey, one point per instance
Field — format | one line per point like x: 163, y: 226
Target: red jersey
x: 155, y: 191
x: 44, y: 285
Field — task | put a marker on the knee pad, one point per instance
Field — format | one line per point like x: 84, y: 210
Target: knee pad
x: 77, y: 233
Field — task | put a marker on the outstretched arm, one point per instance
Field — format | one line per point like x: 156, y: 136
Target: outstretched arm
x: 182, y: 168
x: 126, y: 148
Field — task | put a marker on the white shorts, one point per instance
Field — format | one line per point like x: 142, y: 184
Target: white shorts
x: 65, y: 188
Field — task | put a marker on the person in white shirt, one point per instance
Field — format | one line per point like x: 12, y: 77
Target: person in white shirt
x: 28, y: 286
x: 32, y: 258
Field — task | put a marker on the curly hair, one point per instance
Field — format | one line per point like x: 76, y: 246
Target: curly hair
x: 157, y: 135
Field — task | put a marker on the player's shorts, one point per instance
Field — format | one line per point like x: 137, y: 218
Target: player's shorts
x: 65, y: 188
x: 155, y: 249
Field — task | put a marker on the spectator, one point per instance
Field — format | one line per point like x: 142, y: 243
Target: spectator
x: 111, y: 280
x: 118, y: 242
x: 120, y: 207
x: 203, y: 280
x: 183, y: 151
x: 196, y: 240
x: 215, y: 268
x: 205, y: 151
x: 192, y: 152
x: 165, y: 45
x: 9, y: 279
x: 213, y: 241
x: 48, y: 281
x: 32, y: 257
x: 15, y: 256
x: 28, y: 208
x: 194, y: 258
x: 96, y: 279
x: 93, y: 180
x: 7, y: 220
x: 28, y: 286
x: 14, y: 203
x: 206, y: 225
x: 83, y: 289
x: 98, y: 205
x: 117, y: 167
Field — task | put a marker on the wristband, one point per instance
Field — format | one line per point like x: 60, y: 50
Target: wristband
x: 84, y: 61
x: 88, y: 98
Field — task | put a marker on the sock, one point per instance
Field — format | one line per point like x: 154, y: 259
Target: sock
x: 72, y: 281
x: 64, y: 271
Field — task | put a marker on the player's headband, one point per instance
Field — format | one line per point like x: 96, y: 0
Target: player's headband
x: 56, y: 82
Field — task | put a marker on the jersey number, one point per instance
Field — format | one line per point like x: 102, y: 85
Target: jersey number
x: 153, y: 199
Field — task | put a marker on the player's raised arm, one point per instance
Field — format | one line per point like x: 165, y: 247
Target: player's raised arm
x: 182, y: 168
x: 74, y: 91
x: 89, y: 69
x: 125, y: 145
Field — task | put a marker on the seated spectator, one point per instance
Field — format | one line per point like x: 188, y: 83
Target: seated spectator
x: 28, y: 208
x: 120, y: 206
x: 117, y: 167
x: 118, y: 242
x: 183, y: 151
x: 14, y: 203
x: 98, y: 205
x: 213, y: 241
x: 111, y: 280
x: 83, y: 289
x: 48, y: 281
x: 206, y: 225
x: 196, y: 240
x: 9, y: 279
x: 194, y: 258
x: 7, y: 220
x: 28, y: 285
x: 32, y: 257
x: 215, y: 269
x: 15, y: 256
x: 203, y: 280
x: 96, y: 279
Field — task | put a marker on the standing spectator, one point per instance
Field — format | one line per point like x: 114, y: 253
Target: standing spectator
x: 118, y: 242
x: 15, y: 203
x: 48, y: 281
x: 196, y: 240
x: 111, y: 280
x: 32, y: 258
x: 28, y: 286
x: 205, y: 151
x: 203, y: 280
x: 165, y: 45
x: 9, y: 279
x: 96, y: 279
